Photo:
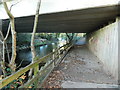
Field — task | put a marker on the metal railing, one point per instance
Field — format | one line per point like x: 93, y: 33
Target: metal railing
x: 54, y: 59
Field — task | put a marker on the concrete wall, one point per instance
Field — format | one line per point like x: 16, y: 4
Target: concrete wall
x: 0, y: 24
x: 118, y: 50
x: 104, y: 44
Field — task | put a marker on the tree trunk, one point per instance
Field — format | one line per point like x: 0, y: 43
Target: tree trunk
x: 12, y: 64
x: 33, y: 36
x: 70, y: 37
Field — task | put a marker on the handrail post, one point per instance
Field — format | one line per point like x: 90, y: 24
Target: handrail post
x: 53, y: 57
x: 59, y: 53
x: 57, y: 56
x: 64, y: 49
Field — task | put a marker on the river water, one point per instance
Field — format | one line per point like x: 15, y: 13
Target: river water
x: 24, y: 57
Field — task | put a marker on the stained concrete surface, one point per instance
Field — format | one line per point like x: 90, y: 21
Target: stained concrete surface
x: 70, y: 84
x: 81, y: 65
x: 81, y: 69
x: 104, y: 44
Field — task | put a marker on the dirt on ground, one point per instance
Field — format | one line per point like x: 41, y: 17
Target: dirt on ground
x: 80, y: 65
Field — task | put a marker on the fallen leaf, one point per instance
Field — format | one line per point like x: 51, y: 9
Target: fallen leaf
x: 30, y: 87
x: 58, y: 71
x: 1, y: 76
x: 23, y: 76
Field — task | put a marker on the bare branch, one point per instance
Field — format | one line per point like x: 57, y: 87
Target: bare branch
x: 3, y: 55
x: 9, y: 23
x: 1, y: 35
x: 8, y: 55
x: 14, y: 5
x: 7, y: 33
x: 20, y: 64
x: 7, y: 11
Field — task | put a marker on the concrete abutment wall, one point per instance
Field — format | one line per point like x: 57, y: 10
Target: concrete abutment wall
x: 0, y: 24
x: 104, y: 44
x: 118, y: 50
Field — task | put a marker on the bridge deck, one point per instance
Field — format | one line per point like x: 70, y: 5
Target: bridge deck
x: 82, y: 21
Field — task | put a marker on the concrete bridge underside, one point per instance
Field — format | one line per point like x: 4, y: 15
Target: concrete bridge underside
x: 79, y: 21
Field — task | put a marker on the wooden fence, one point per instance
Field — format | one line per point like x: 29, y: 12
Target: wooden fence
x: 54, y: 59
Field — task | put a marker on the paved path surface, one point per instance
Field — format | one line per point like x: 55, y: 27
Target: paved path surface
x: 70, y: 84
x: 80, y: 69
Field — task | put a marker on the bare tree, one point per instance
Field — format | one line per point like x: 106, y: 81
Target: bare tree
x: 33, y: 33
x: 12, y: 64
x: 70, y: 36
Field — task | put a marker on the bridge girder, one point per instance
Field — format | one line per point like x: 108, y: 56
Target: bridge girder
x: 74, y: 21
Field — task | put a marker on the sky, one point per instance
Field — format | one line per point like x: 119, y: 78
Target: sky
x: 28, y: 7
